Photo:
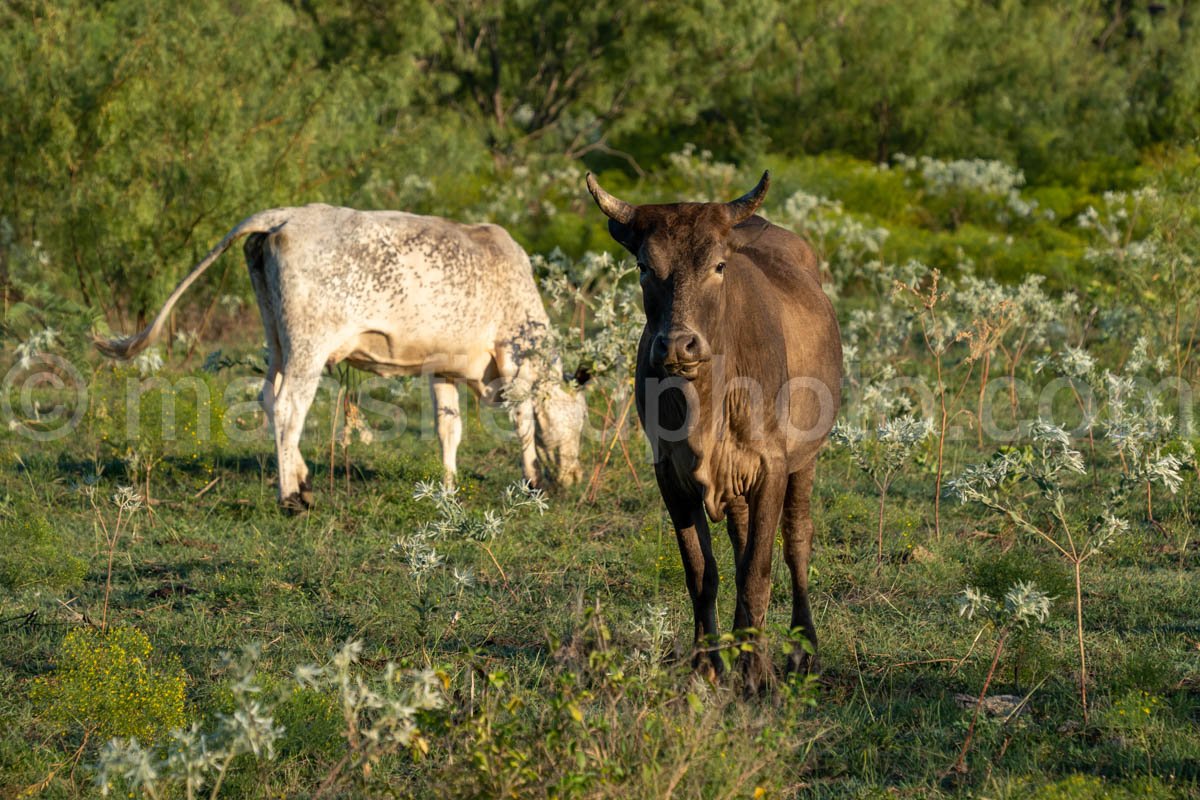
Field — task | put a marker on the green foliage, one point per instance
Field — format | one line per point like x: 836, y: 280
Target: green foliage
x: 31, y: 308
x: 379, y: 717
x: 1088, y: 787
x: 607, y: 725
x: 135, y: 138
x: 994, y: 572
x: 106, y: 684
x: 35, y: 554
x: 567, y: 78
x: 311, y: 722
x: 1038, y: 84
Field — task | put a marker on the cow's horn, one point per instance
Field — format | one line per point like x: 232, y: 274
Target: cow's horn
x: 742, y: 208
x: 616, y: 208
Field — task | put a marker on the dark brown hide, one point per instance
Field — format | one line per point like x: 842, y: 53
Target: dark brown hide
x: 738, y: 380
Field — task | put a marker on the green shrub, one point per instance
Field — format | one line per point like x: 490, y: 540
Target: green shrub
x: 849, y: 517
x: 158, y: 420
x: 106, y: 684
x: 994, y: 572
x: 600, y: 723
x: 860, y: 185
x: 312, y: 724
x: 1087, y: 787
x: 34, y: 554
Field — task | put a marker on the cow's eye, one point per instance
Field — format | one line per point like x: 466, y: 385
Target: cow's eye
x: 721, y: 268
x: 642, y: 266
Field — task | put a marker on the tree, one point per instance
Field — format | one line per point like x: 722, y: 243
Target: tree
x: 136, y: 135
x: 571, y: 78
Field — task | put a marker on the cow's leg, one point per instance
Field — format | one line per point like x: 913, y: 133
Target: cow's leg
x: 754, y: 578
x: 292, y: 401
x: 797, y: 548
x: 268, y: 309
x: 525, y: 423
x: 271, y: 381
x: 448, y: 422
x: 738, y: 525
x: 267, y: 396
x: 497, y: 379
x: 700, y: 570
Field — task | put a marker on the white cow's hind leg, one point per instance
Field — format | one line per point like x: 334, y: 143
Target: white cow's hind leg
x: 448, y: 422
x: 293, y: 398
x: 267, y: 397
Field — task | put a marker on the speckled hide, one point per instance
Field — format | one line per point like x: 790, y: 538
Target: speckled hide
x: 395, y: 294
x: 738, y: 381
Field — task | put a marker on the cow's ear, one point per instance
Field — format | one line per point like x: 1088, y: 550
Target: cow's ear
x: 625, y: 235
x: 747, y: 232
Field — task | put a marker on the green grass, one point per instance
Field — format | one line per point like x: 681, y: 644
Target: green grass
x: 553, y: 686
x: 556, y: 612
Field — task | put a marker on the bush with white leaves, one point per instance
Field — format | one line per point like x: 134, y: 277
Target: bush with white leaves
x: 1024, y: 604
x: 421, y: 550
x: 380, y: 715
x: 1029, y: 488
x: 883, y: 455
x: 998, y: 184
x: 194, y: 757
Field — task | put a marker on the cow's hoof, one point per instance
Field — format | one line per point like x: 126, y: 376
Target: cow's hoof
x: 801, y: 663
x: 705, y: 670
x: 296, y: 502
x: 306, y: 495
x: 708, y: 666
x: 757, y: 676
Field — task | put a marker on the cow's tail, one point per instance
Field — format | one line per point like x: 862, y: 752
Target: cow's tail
x: 130, y: 346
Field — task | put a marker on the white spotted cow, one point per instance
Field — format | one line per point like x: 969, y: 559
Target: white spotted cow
x: 396, y: 294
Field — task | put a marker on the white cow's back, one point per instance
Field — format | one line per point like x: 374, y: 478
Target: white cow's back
x: 399, y: 293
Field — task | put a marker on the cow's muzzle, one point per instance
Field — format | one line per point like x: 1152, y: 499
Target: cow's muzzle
x: 680, y: 353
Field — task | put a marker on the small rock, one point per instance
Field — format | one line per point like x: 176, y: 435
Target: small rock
x: 1070, y: 726
x: 995, y: 705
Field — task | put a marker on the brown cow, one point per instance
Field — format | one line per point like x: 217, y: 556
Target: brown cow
x: 739, y: 374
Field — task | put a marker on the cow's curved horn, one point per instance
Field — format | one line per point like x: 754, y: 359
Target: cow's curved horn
x: 616, y: 208
x: 745, y: 206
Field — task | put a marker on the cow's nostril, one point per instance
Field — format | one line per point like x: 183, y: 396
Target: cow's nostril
x: 687, y: 346
x: 658, y: 350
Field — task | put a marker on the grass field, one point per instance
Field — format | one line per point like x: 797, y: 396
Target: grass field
x: 563, y: 641
x: 149, y: 584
